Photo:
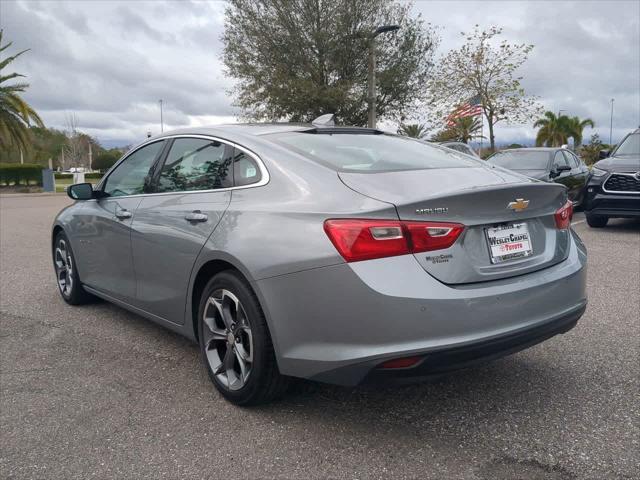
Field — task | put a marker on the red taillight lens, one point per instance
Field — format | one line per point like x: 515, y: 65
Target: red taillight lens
x: 427, y: 236
x: 358, y: 240
x: 564, y: 215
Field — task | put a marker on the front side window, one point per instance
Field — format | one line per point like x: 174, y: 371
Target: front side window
x: 572, y: 159
x: 559, y: 160
x: 521, y: 160
x: 129, y: 177
x: 195, y: 164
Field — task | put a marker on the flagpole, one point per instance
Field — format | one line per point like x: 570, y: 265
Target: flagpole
x: 481, y: 133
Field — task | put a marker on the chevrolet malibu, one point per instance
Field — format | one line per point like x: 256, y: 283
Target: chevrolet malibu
x: 337, y: 254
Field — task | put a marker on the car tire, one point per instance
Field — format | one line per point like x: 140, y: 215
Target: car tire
x: 235, y: 343
x: 67, y: 277
x: 597, y: 221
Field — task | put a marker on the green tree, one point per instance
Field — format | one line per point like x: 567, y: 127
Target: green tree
x: 15, y: 114
x: 553, y: 130
x: 467, y: 128
x: 590, y: 153
x: 444, y: 135
x: 106, y: 159
x: 575, y: 127
x: 413, y: 130
x: 298, y: 59
x: 486, y: 72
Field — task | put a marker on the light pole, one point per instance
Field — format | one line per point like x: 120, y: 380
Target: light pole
x: 611, y: 124
x: 372, y: 71
x: 161, y: 120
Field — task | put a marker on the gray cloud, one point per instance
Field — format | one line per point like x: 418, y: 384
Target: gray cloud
x: 110, y: 62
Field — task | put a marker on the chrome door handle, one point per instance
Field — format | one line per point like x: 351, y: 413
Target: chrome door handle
x: 123, y: 214
x: 196, y: 216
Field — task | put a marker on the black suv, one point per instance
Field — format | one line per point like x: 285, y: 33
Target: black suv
x: 613, y: 187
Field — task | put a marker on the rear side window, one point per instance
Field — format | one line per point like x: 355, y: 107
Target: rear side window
x: 245, y: 169
x: 371, y: 153
x: 195, y: 164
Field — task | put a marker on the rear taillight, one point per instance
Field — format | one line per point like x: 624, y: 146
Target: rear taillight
x: 363, y: 239
x: 564, y: 215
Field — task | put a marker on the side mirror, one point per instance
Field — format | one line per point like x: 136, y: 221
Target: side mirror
x: 563, y: 168
x: 80, y: 191
x: 604, y: 154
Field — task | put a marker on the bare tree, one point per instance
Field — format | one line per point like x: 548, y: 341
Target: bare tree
x: 76, y: 148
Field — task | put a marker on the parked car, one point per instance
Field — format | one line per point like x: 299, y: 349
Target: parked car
x: 613, y: 188
x: 559, y: 165
x: 343, y: 255
x: 460, y: 147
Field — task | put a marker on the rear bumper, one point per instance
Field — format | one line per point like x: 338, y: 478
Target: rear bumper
x: 616, y: 205
x: 337, y: 324
x: 435, y: 363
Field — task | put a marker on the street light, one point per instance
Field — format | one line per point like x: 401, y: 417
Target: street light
x: 161, y: 119
x: 611, y: 124
x: 372, y: 70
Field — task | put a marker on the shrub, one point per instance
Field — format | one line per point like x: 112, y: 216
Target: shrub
x: 20, y: 174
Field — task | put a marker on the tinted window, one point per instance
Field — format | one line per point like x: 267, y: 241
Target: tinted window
x: 460, y: 148
x: 372, y: 153
x: 129, y: 177
x: 630, y: 145
x: 559, y: 160
x: 245, y: 169
x: 195, y: 164
x: 572, y: 159
x: 521, y: 160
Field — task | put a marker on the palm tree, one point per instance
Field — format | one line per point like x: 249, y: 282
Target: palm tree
x: 553, y: 131
x: 413, y: 130
x: 575, y: 127
x: 16, y: 115
x: 467, y: 128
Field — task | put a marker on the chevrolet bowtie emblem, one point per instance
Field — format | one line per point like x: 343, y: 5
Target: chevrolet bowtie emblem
x: 519, y: 205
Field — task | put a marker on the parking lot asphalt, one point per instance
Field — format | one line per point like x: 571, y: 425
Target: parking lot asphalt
x: 97, y: 392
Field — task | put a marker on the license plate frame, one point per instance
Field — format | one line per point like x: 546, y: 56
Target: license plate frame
x: 503, y: 247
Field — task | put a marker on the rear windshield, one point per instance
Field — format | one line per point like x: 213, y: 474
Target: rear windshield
x: 521, y: 160
x: 630, y: 145
x: 371, y: 153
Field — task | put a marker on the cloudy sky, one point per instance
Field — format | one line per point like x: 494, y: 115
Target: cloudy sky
x: 109, y: 62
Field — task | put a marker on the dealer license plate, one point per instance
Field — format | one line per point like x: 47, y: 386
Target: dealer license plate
x: 508, y: 242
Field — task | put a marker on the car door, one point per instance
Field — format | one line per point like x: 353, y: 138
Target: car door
x: 191, y: 193
x: 104, y: 242
x: 562, y: 176
x: 580, y: 173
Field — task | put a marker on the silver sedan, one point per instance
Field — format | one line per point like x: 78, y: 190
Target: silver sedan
x: 342, y: 255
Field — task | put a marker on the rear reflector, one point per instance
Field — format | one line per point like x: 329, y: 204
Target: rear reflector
x: 405, y: 362
x: 364, y: 239
x: 564, y: 215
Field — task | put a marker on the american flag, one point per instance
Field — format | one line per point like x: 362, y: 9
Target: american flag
x: 471, y: 108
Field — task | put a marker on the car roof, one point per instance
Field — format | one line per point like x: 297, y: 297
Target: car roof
x: 533, y: 149
x: 258, y: 129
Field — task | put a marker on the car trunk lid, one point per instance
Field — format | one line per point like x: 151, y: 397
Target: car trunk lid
x: 479, y: 198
